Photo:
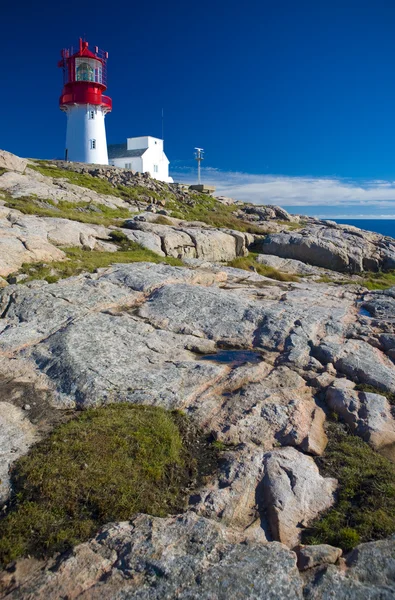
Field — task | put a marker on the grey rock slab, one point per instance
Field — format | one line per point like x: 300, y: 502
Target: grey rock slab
x: 208, y: 312
x: 182, y: 557
x: 105, y: 358
x: 30, y: 314
x: 295, y: 493
x: 17, y: 434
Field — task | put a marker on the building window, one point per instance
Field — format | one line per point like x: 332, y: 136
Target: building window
x: 91, y: 114
x: 93, y: 144
x: 128, y: 165
x: 156, y: 169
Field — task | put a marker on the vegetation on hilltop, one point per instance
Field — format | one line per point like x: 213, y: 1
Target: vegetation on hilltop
x: 87, y: 261
x: 97, y: 184
x: 84, y: 212
x: 365, y: 507
x: 105, y: 465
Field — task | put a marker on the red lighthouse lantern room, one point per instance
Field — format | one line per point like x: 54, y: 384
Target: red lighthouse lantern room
x: 84, y: 81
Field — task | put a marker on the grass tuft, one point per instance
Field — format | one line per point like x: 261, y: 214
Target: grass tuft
x: 105, y: 465
x: 248, y: 263
x: 88, y: 261
x: 365, y: 508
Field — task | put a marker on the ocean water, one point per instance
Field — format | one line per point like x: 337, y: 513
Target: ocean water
x: 383, y: 226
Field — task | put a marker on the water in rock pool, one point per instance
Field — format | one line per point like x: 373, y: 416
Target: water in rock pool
x: 235, y: 357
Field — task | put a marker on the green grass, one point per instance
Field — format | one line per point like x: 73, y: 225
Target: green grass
x: 379, y: 281
x: 83, y: 261
x: 84, y: 212
x: 105, y: 465
x: 365, y: 508
x: 372, y: 281
x: 248, y: 263
x: 364, y: 387
x: 162, y: 220
x: 97, y: 184
x: 205, y: 208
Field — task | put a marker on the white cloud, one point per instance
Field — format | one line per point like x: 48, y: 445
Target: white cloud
x: 295, y: 191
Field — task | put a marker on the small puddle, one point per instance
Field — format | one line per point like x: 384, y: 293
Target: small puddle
x: 364, y: 312
x: 234, y: 357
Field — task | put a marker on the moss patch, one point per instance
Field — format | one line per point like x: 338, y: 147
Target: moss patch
x: 87, y: 261
x: 249, y: 263
x: 105, y: 465
x: 84, y: 212
x: 365, y: 508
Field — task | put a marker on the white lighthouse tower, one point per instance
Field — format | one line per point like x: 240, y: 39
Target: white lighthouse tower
x: 82, y: 99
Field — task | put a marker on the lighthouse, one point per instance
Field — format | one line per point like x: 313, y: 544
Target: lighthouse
x: 82, y: 99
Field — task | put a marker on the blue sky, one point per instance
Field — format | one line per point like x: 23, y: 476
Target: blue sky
x: 294, y: 102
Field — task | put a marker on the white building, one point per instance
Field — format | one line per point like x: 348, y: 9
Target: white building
x: 143, y: 154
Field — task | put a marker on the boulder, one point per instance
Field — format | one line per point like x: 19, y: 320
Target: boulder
x: 342, y: 249
x: 294, y: 492
x: 11, y: 162
x: 313, y: 556
x: 368, y: 415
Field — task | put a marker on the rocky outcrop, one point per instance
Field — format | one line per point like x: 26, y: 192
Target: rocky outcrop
x: 295, y: 493
x: 339, y: 248
x: 189, y: 557
x: 10, y: 162
x: 28, y: 239
x: 255, y: 362
x: 185, y: 557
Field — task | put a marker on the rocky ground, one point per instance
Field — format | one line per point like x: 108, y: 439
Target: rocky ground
x: 258, y: 363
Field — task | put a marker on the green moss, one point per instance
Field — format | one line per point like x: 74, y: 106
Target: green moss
x: 364, y: 387
x: 105, y: 465
x: 2, y: 171
x: 82, y: 261
x: 84, y: 212
x: 248, y: 263
x: 365, y: 507
x: 205, y: 208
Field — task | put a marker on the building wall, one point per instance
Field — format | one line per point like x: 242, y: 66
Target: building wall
x: 153, y: 161
x: 86, y: 134
x: 135, y: 162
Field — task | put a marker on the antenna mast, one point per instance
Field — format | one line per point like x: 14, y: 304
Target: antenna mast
x: 199, y: 157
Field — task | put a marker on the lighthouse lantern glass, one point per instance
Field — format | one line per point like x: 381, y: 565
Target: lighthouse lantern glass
x: 88, y: 69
